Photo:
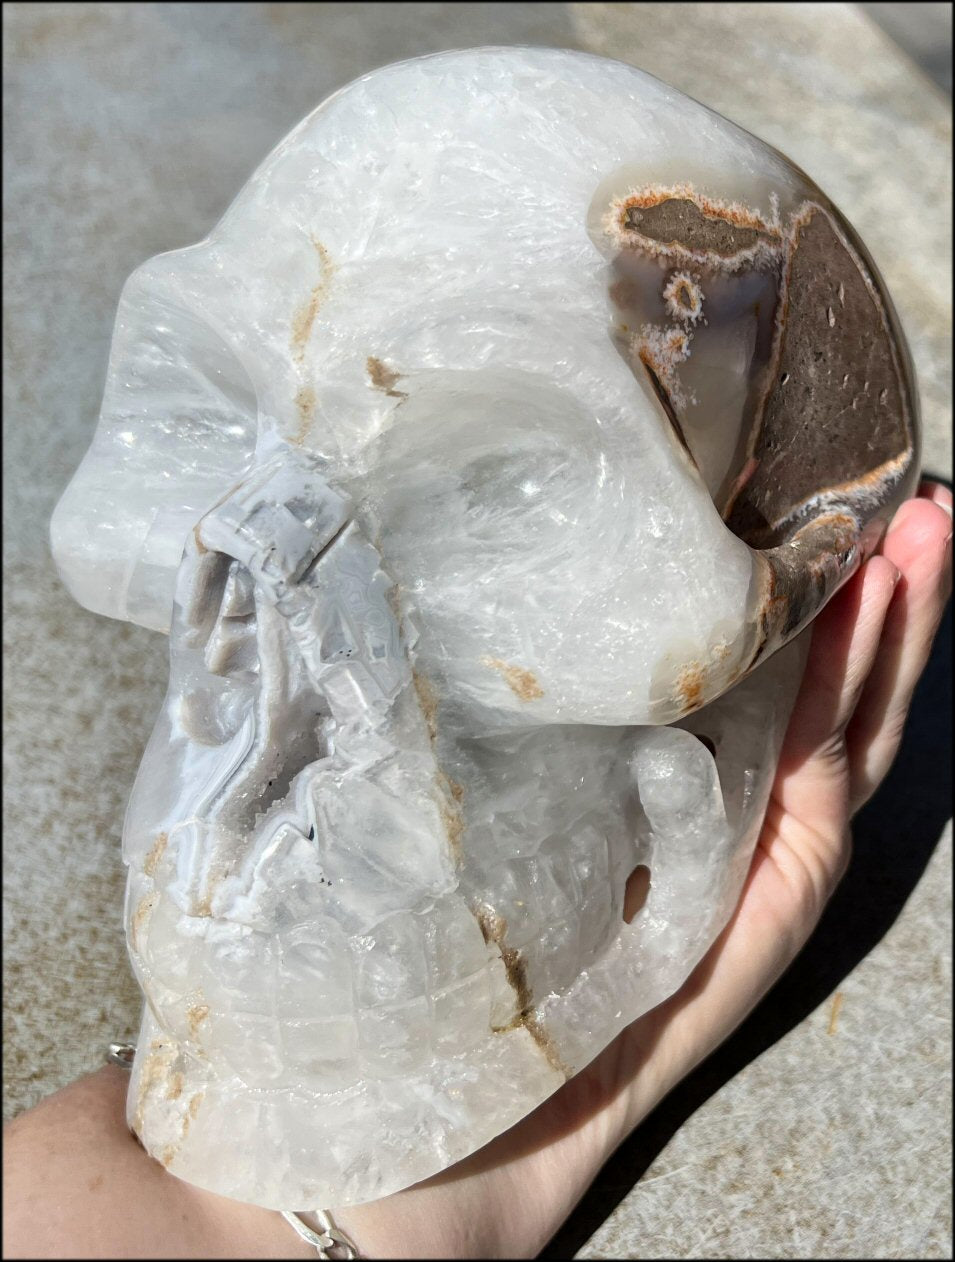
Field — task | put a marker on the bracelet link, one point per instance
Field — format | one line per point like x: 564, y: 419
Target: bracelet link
x: 328, y: 1241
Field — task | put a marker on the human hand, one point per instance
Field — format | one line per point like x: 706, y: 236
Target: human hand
x: 869, y: 647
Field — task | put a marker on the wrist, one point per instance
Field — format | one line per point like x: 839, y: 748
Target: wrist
x: 507, y: 1199
x: 425, y: 1221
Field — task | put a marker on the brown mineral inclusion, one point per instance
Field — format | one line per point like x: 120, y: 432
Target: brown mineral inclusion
x: 826, y: 447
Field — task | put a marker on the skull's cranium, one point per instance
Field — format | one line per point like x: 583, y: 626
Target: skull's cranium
x: 489, y: 442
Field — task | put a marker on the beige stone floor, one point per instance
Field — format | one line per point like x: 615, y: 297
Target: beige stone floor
x: 129, y: 129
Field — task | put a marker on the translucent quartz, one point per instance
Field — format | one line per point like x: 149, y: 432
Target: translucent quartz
x: 516, y: 410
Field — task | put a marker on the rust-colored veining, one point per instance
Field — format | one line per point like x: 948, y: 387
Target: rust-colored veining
x: 662, y: 351
x: 304, y: 414
x: 453, y: 822
x: 153, y: 1073
x: 217, y: 872
x: 663, y: 381
x: 302, y: 322
x: 523, y: 683
x: 190, y: 1113
x: 168, y: 1154
x: 457, y: 790
x: 449, y: 793
x: 428, y: 701
x: 303, y: 317
x: 494, y: 929
x: 156, y: 853
x: 384, y: 378
x: 196, y: 1013
x: 689, y: 686
x: 450, y: 796
x: 141, y: 918
x: 683, y: 297
x: 677, y: 221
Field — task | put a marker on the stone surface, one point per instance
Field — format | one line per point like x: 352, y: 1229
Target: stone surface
x: 102, y: 723
x: 372, y: 934
x: 380, y: 841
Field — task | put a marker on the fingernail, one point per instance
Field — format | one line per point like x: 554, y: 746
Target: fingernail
x: 893, y: 581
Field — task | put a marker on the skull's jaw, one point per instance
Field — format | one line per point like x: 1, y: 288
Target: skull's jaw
x: 358, y: 928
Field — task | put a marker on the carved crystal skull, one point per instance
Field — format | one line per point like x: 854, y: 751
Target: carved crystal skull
x: 518, y: 408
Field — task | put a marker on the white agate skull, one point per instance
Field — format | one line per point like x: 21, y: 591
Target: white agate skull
x: 517, y: 408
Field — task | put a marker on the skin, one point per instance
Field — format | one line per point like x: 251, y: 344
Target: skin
x: 77, y: 1184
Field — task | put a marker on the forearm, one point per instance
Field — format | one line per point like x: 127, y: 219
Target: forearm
x: 77, y: 1184
x: 505, y: 1201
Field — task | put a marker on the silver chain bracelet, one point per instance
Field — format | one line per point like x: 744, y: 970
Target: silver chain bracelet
x: 327, y: 1241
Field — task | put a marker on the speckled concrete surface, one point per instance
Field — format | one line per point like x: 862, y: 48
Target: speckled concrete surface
x: 821, y: 1129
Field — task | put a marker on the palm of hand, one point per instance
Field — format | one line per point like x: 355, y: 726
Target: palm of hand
x: 869, y: 648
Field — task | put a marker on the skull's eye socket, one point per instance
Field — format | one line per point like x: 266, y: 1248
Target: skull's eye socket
x: 770, y: 348
x: 483, y: 475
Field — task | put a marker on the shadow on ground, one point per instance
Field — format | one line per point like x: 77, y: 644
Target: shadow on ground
x: 894, y: 837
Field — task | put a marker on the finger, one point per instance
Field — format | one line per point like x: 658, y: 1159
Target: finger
x: 937, y: 493
x: 812, y: 780
x: 919, y: 543
x: 845, y: 640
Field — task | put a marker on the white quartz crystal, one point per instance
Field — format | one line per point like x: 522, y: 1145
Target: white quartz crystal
x: 451, y: 600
